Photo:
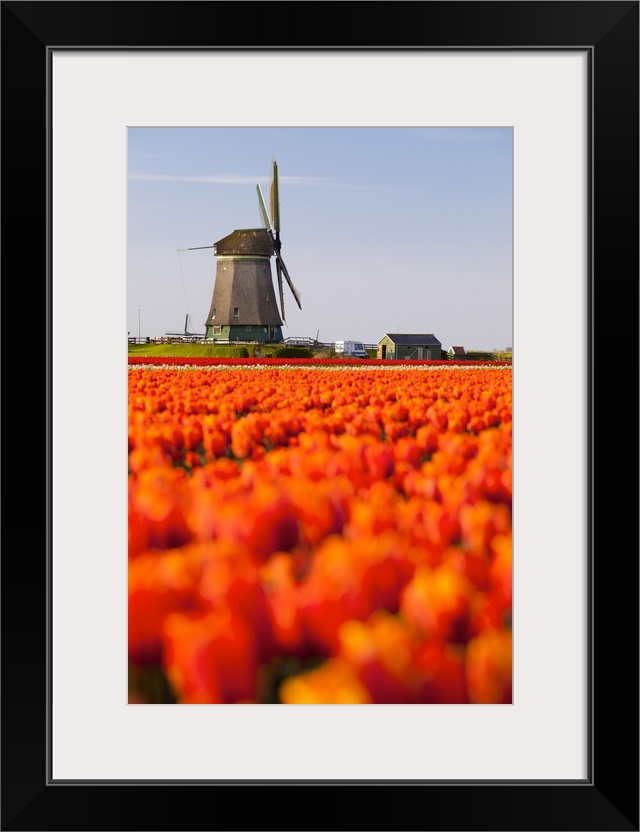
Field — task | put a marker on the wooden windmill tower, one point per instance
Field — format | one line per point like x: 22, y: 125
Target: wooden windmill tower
x: 243, y: 305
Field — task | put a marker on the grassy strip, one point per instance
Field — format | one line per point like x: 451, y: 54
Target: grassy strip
x: 216, y: 351
x: 195, y: 350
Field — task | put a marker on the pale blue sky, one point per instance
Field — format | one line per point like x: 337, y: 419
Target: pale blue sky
x: 383, y: 229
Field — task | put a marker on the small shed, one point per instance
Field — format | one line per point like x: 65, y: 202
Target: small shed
x: 423, y: 347
x: 457, y: 353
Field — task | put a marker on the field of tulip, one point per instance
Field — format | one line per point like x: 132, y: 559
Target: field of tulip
x: 316, y: 534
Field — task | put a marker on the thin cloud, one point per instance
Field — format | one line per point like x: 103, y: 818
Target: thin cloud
x: 230, y: 179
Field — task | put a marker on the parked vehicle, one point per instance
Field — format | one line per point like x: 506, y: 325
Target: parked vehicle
x: 354, y: 348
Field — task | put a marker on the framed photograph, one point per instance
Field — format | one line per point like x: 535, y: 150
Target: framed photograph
x: 563, y: 78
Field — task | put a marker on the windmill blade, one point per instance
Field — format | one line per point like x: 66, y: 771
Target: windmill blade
x: 262, y: 205
x: 280, y: 288
x: 294, y: 291
x: 274, y: 197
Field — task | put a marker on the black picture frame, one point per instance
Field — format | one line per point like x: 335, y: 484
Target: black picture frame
x: 609, y: 798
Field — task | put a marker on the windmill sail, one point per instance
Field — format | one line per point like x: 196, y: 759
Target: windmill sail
x: 271, y: 221
x: 280, y: 289
x: 274, y: 197
x: 294, y: 292
x: 264, y: 214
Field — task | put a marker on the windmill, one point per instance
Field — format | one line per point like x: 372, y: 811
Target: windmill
x: 186, y: 333
x: 243, y: 304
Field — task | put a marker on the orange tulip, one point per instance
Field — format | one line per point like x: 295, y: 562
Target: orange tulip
x: 210, y: 658
x: 333, y: 683
x: 488, y: 667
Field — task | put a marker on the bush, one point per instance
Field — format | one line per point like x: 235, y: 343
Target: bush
x: 229, y: 352
x: 292, y: 352
x: 474, y: 355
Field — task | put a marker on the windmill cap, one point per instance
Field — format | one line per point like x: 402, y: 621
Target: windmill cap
x: 245, y: 241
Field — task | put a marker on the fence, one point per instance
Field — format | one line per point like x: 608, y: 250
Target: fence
x: 288, y: 342
x: 322, y: 345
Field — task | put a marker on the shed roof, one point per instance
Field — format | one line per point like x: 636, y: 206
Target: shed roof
x: 457, y: 350
x: 428, y: 340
